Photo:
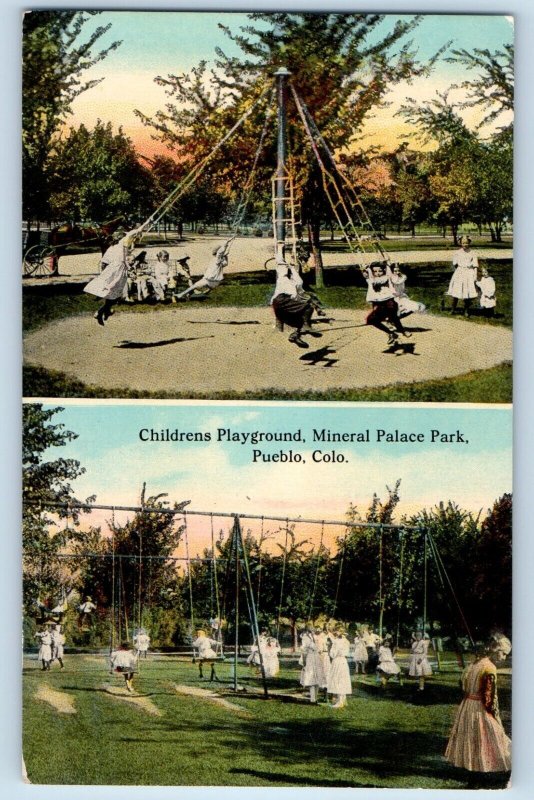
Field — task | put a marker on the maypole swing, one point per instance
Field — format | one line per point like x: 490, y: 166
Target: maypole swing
x: 342, y: 196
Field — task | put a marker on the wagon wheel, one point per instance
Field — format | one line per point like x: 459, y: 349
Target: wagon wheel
x: 39, y: 261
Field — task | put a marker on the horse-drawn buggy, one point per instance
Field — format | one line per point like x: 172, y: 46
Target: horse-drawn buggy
x: 42, y: 249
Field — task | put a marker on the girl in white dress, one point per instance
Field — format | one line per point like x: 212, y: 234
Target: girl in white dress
x: 214, y: 273
x: 45, y: 648
x: 271, y: 662
x: 339, y: 683
x: 405, y: 304
x: 323, y: 639
x: 312, y: 673
x: 487, y: 299
x: 141, y: 642
x: 124, y: 662
x: 359, y: 654
x: 58, y: 642
x: 419, y: 666
x: 205, y: 652
x: 387, y: 666
x: 112, y: 282
x: 462, y: 285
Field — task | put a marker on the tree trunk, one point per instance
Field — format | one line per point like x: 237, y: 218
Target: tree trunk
x: 331, y: 231
x: 454, y: 229
x: 314, y: 237
x: 498, y: 232
x: 493, y: 235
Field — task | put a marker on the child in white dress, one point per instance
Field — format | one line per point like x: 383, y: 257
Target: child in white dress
x: 405, y: 304
x: 359, y: 654
x: 214, y: 273
x: 312, y: 673
x: 45, y: 648
x: 124, y: 662
x: 58, y: 642
x: 419, y: 666
x: 462, y: 285
x: 205, y: 653
x: 339, y: 683
x: 387, y: 666
x: 487, y: 298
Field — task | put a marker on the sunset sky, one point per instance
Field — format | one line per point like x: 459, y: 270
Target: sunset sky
x: 221, y: 476
x: 163, y: 42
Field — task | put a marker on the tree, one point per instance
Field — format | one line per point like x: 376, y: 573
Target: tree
x: 342, y: 66
x: 96, y: 175
x: 133, y: 575
x: 492, y: 88
x: 55, y: 59
x: 492, y: 559
x: 45, y: 483
x: 452, y: 166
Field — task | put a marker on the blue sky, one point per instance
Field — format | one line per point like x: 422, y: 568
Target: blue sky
x: 162, y: 42
x: 221, y: 477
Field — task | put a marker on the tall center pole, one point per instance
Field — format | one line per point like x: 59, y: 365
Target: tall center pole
x: 280, y: 204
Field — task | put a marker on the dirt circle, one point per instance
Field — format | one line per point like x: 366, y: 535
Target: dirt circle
x: 199, y: 351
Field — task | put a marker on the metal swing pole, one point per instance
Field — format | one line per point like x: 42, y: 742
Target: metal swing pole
x: 252, y: 605
x: 281, y: 76
x: 236, y: 642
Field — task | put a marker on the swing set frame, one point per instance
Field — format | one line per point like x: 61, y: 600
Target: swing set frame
x: 239, y: 557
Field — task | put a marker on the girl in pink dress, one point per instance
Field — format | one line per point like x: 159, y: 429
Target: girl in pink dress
x: 478, y: 741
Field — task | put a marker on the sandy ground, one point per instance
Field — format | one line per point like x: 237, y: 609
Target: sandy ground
x: 143, y: 703
x: 250, y: 254
x: 212, y: 697
x: 61, y: 702
x: 193, y: 349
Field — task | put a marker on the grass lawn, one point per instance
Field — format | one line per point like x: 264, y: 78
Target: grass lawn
x: 384, y: 738
x: 426, y: 282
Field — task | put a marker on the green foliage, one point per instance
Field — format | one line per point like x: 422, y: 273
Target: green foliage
x: 55, y: 59
x: 45, y: 481
x: 95, y: 174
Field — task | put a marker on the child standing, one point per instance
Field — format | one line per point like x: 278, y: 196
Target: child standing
x: 58, y: 642
x: 419, y: 664
x: 45, y: 647
x: 339, y: 683
x: 487, y: 299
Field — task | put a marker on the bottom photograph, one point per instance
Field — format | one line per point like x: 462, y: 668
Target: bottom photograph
x: 267, y: 595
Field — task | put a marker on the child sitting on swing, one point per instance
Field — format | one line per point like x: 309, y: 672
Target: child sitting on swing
x: 124, y: 661
x: 213, y: 275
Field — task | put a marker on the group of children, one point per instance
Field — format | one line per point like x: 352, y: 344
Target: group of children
x: 325, y: 658
x: 124, y: 277
x: 465, y: 284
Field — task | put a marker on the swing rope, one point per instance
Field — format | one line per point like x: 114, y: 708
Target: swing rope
x: 112, y: 637
x: 309, y: 125
x: 247, y: 188
x: 282, y: 582
x: 190, y: 578
x: 317, y: 564
x: 216, y: 586
x: 380, y: 579
x: 401, y: 585
x: 341, y: 560
x: 191, y: 178
x: 443, y: 573
x: 258, y: 589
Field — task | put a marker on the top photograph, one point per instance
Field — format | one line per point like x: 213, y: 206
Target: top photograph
x: 267, y: 206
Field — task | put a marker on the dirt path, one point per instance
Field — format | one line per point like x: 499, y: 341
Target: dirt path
x: 197, y: 350
x: 60, y: 701
x: 250, y: 254
x: 143, y: 703
x: 210, y: 696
